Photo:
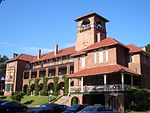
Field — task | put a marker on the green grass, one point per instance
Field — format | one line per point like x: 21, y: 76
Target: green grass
x: 32, y: 100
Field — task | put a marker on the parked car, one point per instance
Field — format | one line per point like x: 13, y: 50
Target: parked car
x: 74, y: 108
x: 6, y: 107
x: 2, y: 101
x: 97, y: 109
x: 49, y: 108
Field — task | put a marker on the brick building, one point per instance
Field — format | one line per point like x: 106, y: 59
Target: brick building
x: 99, y: 68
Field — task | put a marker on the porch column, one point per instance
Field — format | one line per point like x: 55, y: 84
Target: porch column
x: 105, y: 80
x: 131, y: 80
x: 69, y: 85
x: 81, y: 84
x: 38, y: 73
x: 68, y: 69
x: 30, y: 74
x: 56, y: 71
x: 122, y: 81
x: 47, y: 72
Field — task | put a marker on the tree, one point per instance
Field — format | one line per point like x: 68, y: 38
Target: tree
x: 3, y: 65
x: 148, y: 48
x: 138, y: 99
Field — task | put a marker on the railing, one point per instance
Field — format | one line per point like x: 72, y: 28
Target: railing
x: 84, y: 27
x: 99, y: 88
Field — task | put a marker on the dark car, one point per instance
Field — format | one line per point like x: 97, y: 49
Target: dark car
x: 2, y: 101
x: 97, y: 109
x: 49, y: 108
x: 6, y: 107
x: 74, y: 108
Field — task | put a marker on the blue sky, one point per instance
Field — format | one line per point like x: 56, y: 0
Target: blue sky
x: 29, y: 25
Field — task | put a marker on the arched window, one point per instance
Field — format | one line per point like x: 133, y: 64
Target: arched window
x: 85, y: 24
x: 74, y: 101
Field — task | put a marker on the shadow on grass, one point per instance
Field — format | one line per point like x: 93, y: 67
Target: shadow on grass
x: 28, y: 102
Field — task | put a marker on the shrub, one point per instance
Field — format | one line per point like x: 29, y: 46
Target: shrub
x: 139, y: 99
x: 56, y: 86
x: 17, y: 96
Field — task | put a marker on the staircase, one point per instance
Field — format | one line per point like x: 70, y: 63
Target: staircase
x: 63, y: 100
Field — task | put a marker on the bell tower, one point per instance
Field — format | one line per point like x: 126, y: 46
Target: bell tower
x: 91, y: 28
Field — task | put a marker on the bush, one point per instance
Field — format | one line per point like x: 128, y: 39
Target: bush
x: 17, y: 96
x: 139, y: 99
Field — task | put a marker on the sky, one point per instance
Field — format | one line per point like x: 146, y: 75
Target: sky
x: 29, y: 25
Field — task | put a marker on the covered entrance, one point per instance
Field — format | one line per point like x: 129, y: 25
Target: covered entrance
x: 92, y: 99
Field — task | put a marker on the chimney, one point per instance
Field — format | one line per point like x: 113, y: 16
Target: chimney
x: 15, y: 55
x: 39, y: 54
x: 56, y: 49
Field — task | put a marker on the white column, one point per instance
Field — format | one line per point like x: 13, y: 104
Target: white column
x: 105, y: 81
x: 81, y: 84
x: 131, y: 80
x: 69, y: 85
x: 10, y: 90
x: 122, y: 81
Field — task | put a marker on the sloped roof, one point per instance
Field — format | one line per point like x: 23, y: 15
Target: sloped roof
x: 90, y: 14
x: 62, y: 52
x: 133, y: 48
x: 104, y: 70
x: 104, y: 43
x: 23, y: 57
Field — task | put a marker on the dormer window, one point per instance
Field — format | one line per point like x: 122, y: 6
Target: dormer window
x: 85, y: 24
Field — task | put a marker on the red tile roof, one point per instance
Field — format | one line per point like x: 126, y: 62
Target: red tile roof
x: 105, y: 43
x: 23, y: 57
x: 63, y: 52
x: 104, y: 70
x: 133, y: 48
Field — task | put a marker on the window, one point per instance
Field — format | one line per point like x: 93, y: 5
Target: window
x: 131, y: 58
x: 9, y: 87
x: 11, y: 75
x: 101, y: 56
x: 85, y: 24
x: 83, y: 61
x: 95, y: 57
x: 106, y: 54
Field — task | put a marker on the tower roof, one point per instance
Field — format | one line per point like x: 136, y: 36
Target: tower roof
x: 89, y: 15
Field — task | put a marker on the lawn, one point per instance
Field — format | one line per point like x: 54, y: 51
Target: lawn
x: 32, y: 100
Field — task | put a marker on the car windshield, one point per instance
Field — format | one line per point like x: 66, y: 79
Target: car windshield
x: 44, y: 105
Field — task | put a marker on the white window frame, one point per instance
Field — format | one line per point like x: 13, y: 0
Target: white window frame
x: 101, y: 56
x: 106, y: 54
x: 82, y: 61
